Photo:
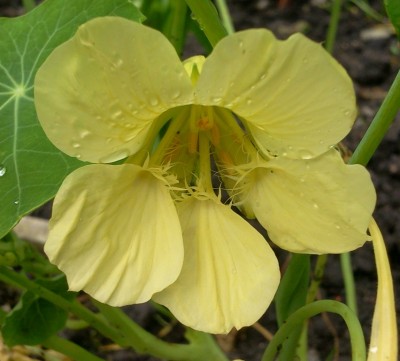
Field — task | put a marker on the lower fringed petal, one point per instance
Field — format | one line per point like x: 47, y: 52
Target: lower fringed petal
x: 317, y: 206
x: 115, y: 233
x: 229, y: 275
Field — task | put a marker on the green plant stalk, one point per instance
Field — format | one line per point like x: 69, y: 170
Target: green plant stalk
x: 174, y: 29
x: 225, y: 16
x: 333, y: 25
x: 126, y: 332
x: 311, y: 295
x: 208, y: 19
x: 312, y: 309
x: 69, y: 349
x: 9, y: 276
x: 379, y: 125
x: 202, y: 346
x: 348, y: 279
x: 362, y: 155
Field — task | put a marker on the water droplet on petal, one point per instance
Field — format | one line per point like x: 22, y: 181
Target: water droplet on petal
x: 305, y: 154
x: 84, y: 133
x: 2, y: 170
x: 249, y: 101
x: 217, y: 99
x: 176, y: 94
x: 154, y: 102
x: 113, y: 157
x: 76, y: 145
x: 337, y: 226
x: 315, y: 205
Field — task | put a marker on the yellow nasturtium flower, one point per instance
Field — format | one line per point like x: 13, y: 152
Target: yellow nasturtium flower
x: 269, y: 112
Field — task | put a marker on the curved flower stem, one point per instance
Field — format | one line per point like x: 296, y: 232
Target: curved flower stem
x: 208, y: 19
x: 383, y: 345
x: 333, y: 25
x: 379, y: 125
x: 312, y: 309
x: 9, y: 276
x: 225, y: 16
x: 363, y: 153
x: 119, y: 327
x: 69, y: 349
x: 201, y: 348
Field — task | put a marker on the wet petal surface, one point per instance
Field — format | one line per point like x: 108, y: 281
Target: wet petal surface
x: 115, y: 233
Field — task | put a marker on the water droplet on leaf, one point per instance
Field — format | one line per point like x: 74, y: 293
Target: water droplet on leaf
x: 2, y: 170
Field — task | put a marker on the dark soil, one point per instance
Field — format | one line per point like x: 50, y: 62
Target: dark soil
x: 368, y: 49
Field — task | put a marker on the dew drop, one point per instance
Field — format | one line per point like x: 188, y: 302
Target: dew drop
x: 305, y: 154
x: 113, y: 157
x: 176, y: 94
x: 76, y: 145
x: 16, y: 202
x: 249, y: 101
x: 117, y: 114
x: 337, y: 226
x: 84, y: 133
x: 217, y: 99
x: 2, y: 170
x: 153, y: 102
x: 315, y: 205
x: 346, y: 112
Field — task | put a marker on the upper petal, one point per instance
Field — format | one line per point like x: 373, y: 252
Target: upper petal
x: 98, y: 94
x: 295, y: 98
x: 115, y: 233
x: 319, y: 205
x: 229, y: 274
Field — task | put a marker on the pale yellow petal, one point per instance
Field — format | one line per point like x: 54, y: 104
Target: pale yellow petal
x: 295, y: 98
x: 384, y: 339
x: 319, y: 205
x: 230, y: 274
x: 115, y: 233
x: 98, y: 94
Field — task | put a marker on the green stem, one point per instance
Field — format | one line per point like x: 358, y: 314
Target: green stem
x: 69, y: 349
x: 333, y: 25
x: 120, y: 328
x: 312, y: 309
x: 9, y: 276
x: 349, y: 283
x: 202, y: 347
x: 363, y: 153
x: 208, y: 19
x: 379, y: 125
x: 174, y: 29
x: 225, y: 16
x: 317, y: 277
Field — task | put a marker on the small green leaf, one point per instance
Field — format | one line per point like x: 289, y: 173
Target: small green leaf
x: 393, y: 11
x: 32, y: 321
x: 31, y: 168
